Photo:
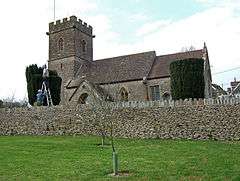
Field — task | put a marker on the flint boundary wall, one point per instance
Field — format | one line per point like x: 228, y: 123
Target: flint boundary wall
x: 217, y: 119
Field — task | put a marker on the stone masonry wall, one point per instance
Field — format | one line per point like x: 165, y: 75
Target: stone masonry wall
x: 218, y: 122
x: 136, y: 90
x: 164, y: 86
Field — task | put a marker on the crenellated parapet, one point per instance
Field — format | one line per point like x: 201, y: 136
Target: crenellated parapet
x: 72, y: 22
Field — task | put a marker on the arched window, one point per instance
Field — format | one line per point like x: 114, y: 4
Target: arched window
x: 83, y: 98
x: 123, y: 94
x: 84, y: 46
x: 60, y: 45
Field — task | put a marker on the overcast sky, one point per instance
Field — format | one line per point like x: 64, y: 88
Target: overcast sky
x: 121, y: 27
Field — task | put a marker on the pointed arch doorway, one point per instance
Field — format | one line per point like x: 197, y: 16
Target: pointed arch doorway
x: 83, y: 98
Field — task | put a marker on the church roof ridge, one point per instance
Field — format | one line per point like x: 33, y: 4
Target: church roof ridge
x: 123, y: 56
x: 178, y: 53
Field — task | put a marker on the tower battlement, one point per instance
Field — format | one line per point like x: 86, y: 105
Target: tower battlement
x: 71, y: 22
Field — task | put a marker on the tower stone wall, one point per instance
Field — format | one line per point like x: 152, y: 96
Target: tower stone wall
x: 70, y: 46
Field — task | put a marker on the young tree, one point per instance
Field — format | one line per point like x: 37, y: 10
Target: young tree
x: 12, y: 102
x: 100, y: 124
x: 105, y: 125
x: 114, y: 153
x: 188, y: 49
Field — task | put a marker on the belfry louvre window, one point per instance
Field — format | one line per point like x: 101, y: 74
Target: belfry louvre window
x: 60, y: 44
x: 155, y: 93
x: 84, y: 46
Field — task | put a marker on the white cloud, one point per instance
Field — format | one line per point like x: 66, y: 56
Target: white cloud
x: 21, y: 43
x: 152, y: 27
x: 219, y: 3
x: 216, y: 2
x: 218, y: 26
x: 138, y: 17
x: 74, y: 7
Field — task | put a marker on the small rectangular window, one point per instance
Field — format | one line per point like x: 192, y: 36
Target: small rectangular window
x: 155, y: 92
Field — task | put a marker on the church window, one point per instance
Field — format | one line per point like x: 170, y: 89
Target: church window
x: 123, y: 94
x: 83, y: 99
x: 84, y: 46
x: 60, y: 44
x: 155, y: 92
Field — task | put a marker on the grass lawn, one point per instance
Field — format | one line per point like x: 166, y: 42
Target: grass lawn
x: 79, y: 158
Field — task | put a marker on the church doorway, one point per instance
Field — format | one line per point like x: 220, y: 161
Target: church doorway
x: 83, y: 99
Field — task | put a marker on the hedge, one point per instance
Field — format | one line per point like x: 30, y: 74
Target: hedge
x: 34, y: 80
x: 187, y: 79
x: 55, y: 88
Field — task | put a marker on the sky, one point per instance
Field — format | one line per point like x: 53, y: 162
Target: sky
x: 121, y: 27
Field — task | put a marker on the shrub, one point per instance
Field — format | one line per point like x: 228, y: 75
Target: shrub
x: 55, y: 88
x: 34, y: 80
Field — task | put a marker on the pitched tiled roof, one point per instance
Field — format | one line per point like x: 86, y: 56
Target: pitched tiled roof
x: 124, y: 68
x: 76, y: 83
x: 162, y: 63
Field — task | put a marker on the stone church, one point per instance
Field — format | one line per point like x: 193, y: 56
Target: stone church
x: 135, y: 77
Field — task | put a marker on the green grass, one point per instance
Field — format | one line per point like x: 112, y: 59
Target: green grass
x: 79, y: 158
